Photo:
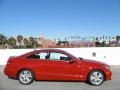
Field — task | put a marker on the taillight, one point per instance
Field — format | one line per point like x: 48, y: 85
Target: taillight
x: 9, y: 61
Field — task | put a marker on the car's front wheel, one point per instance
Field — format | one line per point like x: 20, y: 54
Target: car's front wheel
x: 96, y: 77
x: 25, y: 77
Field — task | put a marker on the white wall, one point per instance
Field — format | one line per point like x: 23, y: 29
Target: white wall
x: 6, y: 53
x: 109, y: 55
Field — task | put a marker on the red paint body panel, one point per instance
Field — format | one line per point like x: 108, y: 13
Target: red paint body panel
x: 53, y: 69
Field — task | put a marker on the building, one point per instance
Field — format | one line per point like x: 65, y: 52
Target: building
x: 46, y: 43
x: 82, y: 44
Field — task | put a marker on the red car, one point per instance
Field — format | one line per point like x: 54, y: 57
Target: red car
x: 54, y: 64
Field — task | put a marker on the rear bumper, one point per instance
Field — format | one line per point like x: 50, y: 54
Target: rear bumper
x: 10, y: 72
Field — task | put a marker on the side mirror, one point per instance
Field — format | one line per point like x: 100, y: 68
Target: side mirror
x: 72, y: 61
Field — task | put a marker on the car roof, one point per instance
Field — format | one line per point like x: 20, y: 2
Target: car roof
x: 52, y: 49
x: 49, y: 50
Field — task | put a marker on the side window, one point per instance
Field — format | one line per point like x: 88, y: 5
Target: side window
x: 59, y: 56
x: 54, y: 56
x: 42, y: 55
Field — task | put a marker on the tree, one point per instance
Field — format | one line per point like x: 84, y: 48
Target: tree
x: 19, y: 39
x: 26, y: 42
x: 97, y: 44
x: 11, y: 41
x: 113, y: 38
x: 31, y: 41
x: 103, y: 44
x: 93, y: 38
x: 103, y: 37
x: 65, y: 39
x: 85, y: 38
x: 3, y: 39
x: 90, y: 37
x: 106, y: 37
x: 96, y: 39
x: 100, y: 38
x: 71, y: 37
x: 117, y: 39
x: 58, y: 39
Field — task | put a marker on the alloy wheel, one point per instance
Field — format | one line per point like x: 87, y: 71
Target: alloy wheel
x: 26, y: 77
x: 96, y: 78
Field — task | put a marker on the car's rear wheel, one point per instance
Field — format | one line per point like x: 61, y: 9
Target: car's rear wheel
x: 26, y: 77
x: 96, y: 77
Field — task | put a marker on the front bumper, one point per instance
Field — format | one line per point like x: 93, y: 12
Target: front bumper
x: 108, y: 75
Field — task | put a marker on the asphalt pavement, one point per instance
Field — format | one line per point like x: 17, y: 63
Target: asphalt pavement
x: 11, y: 84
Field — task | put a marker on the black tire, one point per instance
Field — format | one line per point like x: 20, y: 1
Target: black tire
x: 96, y: 80
x: 27, y: 78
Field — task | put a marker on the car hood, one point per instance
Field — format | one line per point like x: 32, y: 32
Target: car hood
x: 93, y: 62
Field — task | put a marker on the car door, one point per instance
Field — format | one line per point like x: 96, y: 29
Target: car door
x: 60, y: 68
x: 54, y: 66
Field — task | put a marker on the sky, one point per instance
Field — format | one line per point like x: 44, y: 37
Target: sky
x: 60, y: 18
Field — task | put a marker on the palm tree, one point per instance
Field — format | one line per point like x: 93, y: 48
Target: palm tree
x: 19, y: 39
x: 90, y: 38
x: 85, y: 38
x: 93, y: 38
x: 81, y: 38
x: 31, y: 40
x: 33, y: 43
x: 78, y: 37
x: 103, y: 37
x: 65, y: 39
x: 117, y: 39
x: 100, y: 38
x: 71, y: 38
x: 58, y: 39
x: 3, y: 39
x: 26, y: 42
x: 11, y: 41
x: 113, y: 38
x: 55, y: 39
x: 106, y: 37
x: 96, y: 39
